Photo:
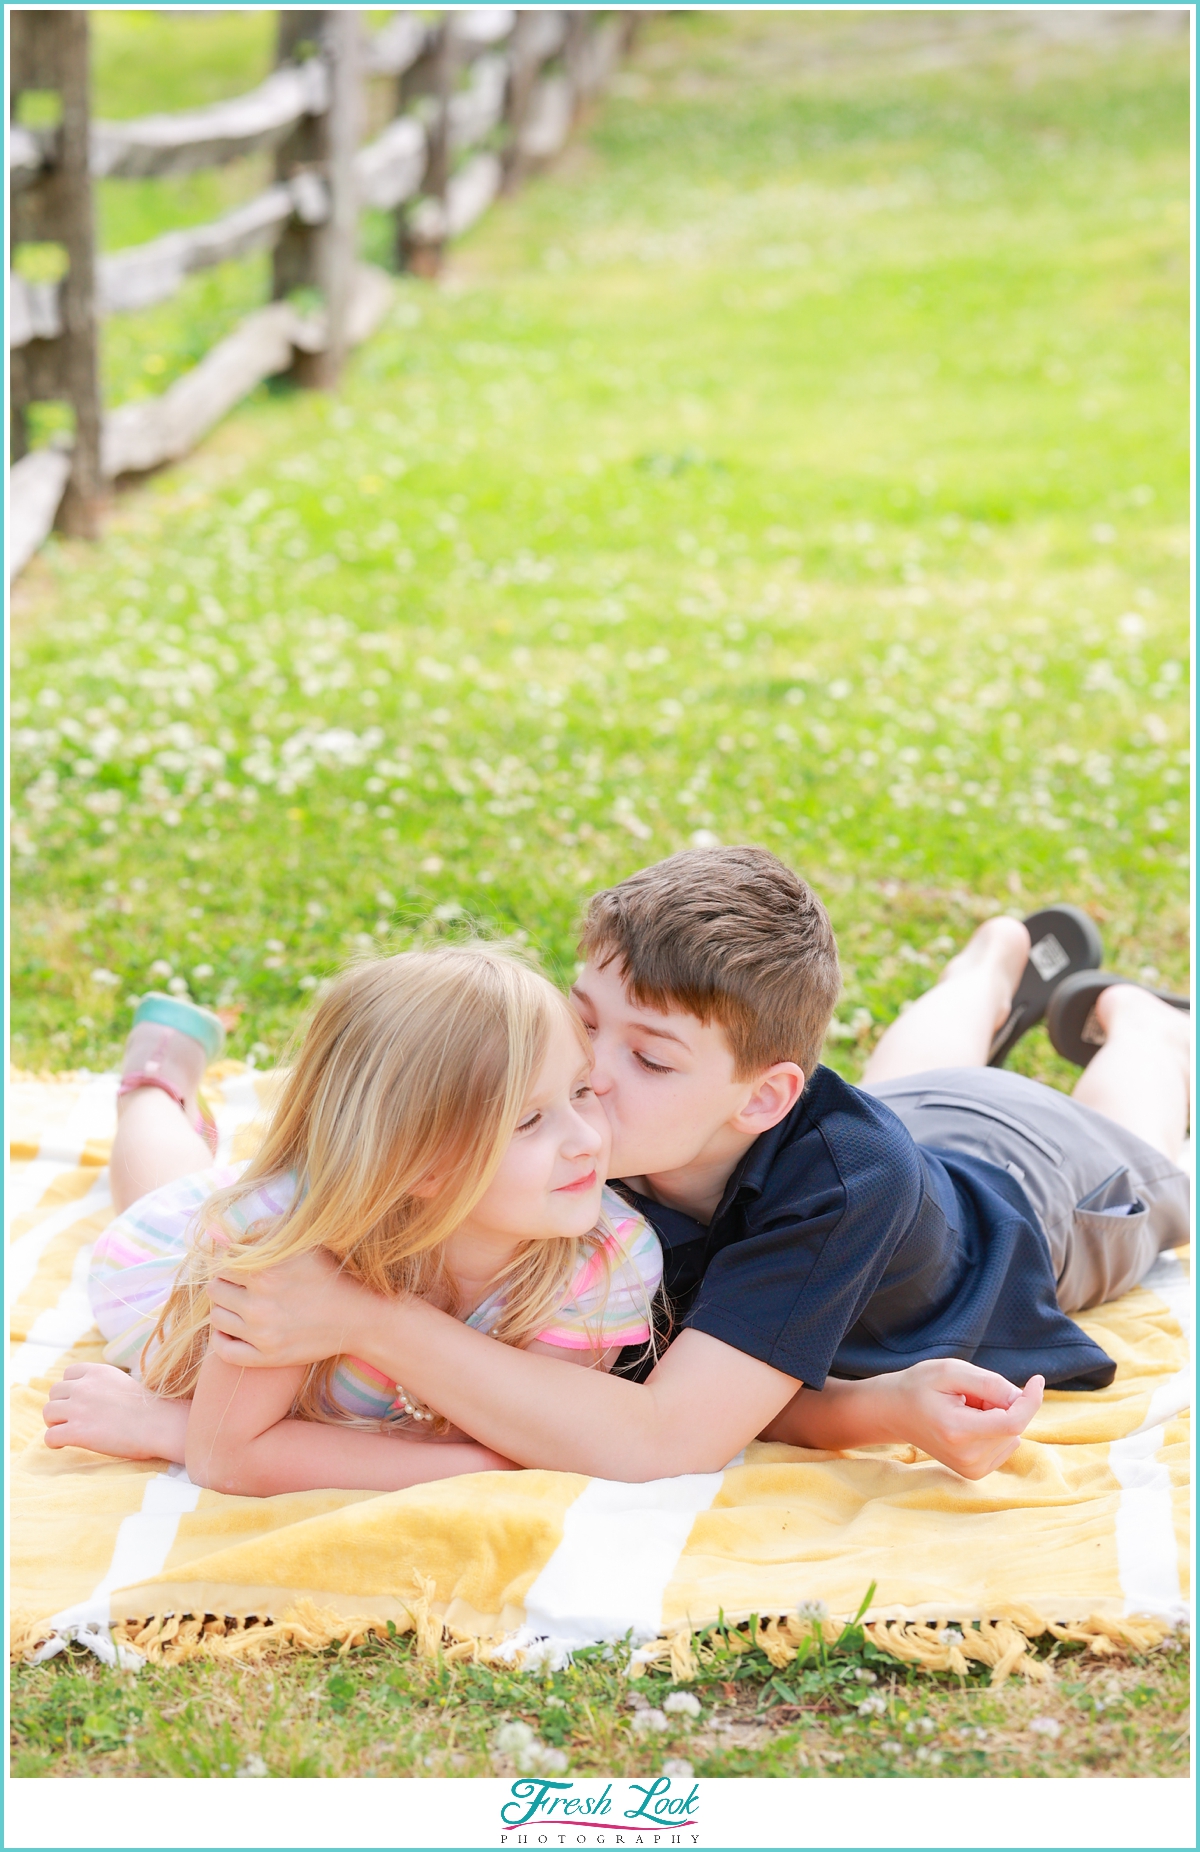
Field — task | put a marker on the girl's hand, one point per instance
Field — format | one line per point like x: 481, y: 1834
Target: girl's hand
x: 300, y: 1312
x: 99, y: 1407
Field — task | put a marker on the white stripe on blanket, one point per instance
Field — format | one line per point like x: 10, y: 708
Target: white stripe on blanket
x: 1147, y: 1549
x: 59, y: 1328
x: 620, y: 1547
x: 143, y: 1545
x: 26, y: 1251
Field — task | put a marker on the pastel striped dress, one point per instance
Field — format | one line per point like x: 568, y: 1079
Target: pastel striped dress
x: 138, y: 1256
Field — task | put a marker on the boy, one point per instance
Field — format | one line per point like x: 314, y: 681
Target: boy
x: 809, y: 1239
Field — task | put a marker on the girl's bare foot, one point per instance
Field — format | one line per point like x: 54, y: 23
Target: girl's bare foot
x: 99, y: 1407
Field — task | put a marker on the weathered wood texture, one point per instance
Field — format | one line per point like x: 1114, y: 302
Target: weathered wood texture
x: 469, y: 193
x: 146, y: 435
x: 548, y: 122
x: 319, y: 253
x: 335, y: 239
x: 396, y: 47
x: 475, y: 76
x: 35, y: 490
x: 390, y: 169
x: 50, y: 51
x: 142, y: 437
x: 196, y: 138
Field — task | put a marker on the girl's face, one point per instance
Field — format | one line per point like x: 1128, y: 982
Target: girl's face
x: 550, y: 1178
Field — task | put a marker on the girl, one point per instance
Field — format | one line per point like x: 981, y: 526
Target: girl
x: 439, y: 1135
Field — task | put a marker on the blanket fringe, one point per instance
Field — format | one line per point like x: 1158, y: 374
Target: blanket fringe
x: 1004, y: 1644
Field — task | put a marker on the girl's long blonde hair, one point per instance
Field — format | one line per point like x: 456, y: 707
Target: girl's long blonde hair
x: 413, y: 1069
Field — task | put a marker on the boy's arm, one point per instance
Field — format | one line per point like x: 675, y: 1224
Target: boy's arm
x: 703, y: 1402
x: 240, y: 1440
x: 701, y: 1406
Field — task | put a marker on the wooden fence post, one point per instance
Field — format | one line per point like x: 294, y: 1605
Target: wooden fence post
x: 50, y: 51
x: 322, y: 256
x: 520, y: 91
x: 579, y: 26
x: 426, y: 259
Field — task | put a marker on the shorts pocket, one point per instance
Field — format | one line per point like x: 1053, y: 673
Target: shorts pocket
x: 1112, y: 1198
x: 1108, y: 1255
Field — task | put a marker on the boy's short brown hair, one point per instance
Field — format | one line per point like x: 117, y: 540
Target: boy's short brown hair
x: 732, y: 936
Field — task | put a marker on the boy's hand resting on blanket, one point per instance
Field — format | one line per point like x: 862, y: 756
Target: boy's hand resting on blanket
x: 969, y: 1419
x: 302, y: 1311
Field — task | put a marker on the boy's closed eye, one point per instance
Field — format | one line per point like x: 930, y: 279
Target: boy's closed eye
x: 651, y: 1067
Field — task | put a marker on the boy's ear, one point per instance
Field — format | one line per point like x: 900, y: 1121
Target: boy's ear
x: 773, y: 1095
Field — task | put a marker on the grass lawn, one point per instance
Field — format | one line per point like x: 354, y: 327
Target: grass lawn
x: 804, y: 461
x: 383, y: 1711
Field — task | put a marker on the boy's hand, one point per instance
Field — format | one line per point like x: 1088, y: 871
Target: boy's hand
x: 302, y: 1311
x: 969, y: 1419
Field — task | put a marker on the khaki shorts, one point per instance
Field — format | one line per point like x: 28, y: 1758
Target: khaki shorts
x: 1077, y: 1168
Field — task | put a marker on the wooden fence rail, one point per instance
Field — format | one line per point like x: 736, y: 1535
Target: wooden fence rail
x: 481, y: 96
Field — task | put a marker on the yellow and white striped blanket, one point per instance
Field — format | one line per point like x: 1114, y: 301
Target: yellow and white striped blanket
x: 1086, y: 1527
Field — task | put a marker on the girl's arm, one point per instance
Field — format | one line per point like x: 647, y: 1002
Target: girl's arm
x: 240, y: 1439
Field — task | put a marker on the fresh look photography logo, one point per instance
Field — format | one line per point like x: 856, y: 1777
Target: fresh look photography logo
x: 659, y: 1811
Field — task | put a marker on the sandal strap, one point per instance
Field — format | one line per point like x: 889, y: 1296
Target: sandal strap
x: 131, y: 1083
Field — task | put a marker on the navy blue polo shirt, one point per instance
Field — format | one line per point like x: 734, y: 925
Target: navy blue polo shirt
x: 841, y: 1247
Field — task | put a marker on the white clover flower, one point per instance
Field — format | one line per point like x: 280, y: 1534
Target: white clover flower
x: 202, y: 971
x: 1046, y: 1726
x: 677, y: 1768
x: 511, y: 1738
x: 252, y: 1769
x: 705, y: 839
x: 951, y: 1636
x: 106, y: 979
x: 177, y: 986
x: 650, y: 1720
x: 160, y: 968
x: 540, y: 1759
x: 873, y: 1706
x: 683, y: 1703
x: 812, y: 1611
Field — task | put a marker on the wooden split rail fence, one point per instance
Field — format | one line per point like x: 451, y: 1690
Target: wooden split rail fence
x: 482, y: 96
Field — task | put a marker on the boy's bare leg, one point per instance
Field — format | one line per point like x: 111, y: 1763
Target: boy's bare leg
x: 952, y: 1025
x: 154, y: 1145
x: 1141, y: 1077
x: 101, y: 1408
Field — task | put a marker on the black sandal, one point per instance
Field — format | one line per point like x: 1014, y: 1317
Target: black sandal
x: 1065, y: 942
x: 1071, y: 1021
